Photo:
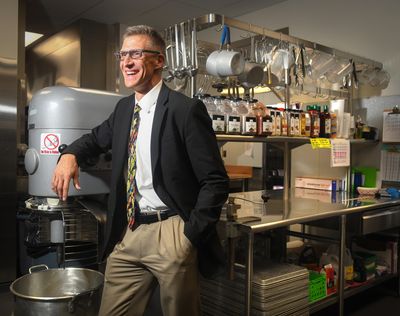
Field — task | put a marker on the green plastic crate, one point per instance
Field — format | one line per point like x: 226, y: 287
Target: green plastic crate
x: 317, y: 286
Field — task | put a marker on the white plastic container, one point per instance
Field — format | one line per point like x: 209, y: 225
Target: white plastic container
x: 332, y: 256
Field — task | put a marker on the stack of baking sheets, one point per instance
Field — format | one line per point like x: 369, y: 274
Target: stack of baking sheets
x: 278, y: 289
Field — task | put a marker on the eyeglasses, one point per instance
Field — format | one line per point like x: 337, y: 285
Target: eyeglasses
x: 134, y: 53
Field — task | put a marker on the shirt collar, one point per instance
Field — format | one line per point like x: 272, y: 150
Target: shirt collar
x: 150, y: 98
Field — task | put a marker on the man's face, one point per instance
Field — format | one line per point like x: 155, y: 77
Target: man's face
x: 141, y: 74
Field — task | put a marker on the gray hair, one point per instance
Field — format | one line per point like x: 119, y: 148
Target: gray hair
x: 155, y: 37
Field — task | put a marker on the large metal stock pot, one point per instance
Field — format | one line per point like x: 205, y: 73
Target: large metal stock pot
x: 58, y: 292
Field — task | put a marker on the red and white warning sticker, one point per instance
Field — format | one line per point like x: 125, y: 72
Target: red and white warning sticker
x: 49, y: 143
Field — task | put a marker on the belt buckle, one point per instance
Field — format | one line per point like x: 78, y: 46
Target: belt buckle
x: 159, y: 215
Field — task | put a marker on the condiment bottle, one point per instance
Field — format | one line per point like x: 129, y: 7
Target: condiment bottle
x: 278, y: 122
x: 325, y: 122
x: 297, y: 123
x: 284, y: 123
x: 264, y: 120
x: 267, y: 122
x: 272, y: 113
x: 291, y: 118
x: 249, y: 119
x: 315, y: 121
x: 333, y: 124
x: 305, y: 123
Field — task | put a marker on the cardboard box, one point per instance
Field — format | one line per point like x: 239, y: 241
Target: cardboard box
x: 327, y: 184
x: 320, y: 195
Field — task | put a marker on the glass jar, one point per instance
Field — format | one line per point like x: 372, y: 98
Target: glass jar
x: 234, y: 119
x: 208, y: 102
x: 218, y: 116
x: 249, y: 118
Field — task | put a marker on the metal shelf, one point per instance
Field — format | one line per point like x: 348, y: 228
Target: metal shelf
x: 241, y: 138
x: 279, y: 139
x: 261, y: 139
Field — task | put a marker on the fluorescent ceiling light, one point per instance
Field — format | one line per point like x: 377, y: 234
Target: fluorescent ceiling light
x: 30, y: 37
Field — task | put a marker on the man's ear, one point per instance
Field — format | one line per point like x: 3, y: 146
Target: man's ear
x: 160, y: 61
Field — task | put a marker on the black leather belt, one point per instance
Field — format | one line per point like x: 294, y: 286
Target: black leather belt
x: 158, y: 216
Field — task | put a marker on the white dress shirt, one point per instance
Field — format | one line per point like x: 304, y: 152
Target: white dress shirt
x: 146, y: 197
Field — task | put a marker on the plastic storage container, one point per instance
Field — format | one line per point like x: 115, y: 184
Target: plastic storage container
x: 317, y: 286
x: 332, y: 256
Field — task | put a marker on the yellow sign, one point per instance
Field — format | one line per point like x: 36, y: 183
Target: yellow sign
x: 320, y: 143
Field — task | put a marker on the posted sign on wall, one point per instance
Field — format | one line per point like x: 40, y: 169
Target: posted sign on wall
x: 49, y: 143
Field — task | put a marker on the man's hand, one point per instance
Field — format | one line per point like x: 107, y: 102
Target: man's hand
x: 66, y: 169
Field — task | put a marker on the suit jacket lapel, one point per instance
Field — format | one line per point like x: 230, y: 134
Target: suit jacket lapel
x: 161, y: 108
x: 124, y: 122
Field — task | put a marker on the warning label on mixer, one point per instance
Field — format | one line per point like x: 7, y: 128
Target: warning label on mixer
x: 49, y: 143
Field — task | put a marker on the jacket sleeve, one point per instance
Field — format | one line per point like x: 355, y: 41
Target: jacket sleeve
x: 208, y: 167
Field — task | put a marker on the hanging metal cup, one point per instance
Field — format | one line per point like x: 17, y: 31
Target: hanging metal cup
x: 253, y: 73
x: 223, y: 63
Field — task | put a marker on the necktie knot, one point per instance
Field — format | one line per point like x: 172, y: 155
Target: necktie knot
x: 137, y: 108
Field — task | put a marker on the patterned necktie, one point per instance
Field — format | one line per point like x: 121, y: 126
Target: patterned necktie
x: 131, y: 182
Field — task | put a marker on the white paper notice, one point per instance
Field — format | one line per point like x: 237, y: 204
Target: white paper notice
x: 340, y: 152
x: 391, y: 127
x: 390, y: 163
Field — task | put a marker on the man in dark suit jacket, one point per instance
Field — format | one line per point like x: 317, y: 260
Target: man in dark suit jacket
x: 181, y: 185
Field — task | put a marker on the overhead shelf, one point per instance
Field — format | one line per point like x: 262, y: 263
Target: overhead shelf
x: 186, y: 60
x: 213, y: 19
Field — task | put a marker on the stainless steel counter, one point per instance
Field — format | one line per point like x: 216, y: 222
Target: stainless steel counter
x: 303, y: 206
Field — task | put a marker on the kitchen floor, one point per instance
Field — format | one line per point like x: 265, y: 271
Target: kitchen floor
x: 373, y: 302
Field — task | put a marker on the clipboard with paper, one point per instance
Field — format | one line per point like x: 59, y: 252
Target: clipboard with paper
x: 391, y: 126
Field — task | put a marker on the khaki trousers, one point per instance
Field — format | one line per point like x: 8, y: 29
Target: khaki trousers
x: 152, y: 252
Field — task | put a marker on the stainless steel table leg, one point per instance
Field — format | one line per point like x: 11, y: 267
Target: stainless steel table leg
x: 303, y: 231
x: 245, y: 185
x: 249, y: 273
x: 287, y: 161
x: 341, y: 263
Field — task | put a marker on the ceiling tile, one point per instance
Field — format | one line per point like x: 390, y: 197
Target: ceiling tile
x: 178, y: 12
x: 211, y: 5
x: 242, y: 7
x: 53, y: 15
x: 122, y: 11
x: 65, y: 12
